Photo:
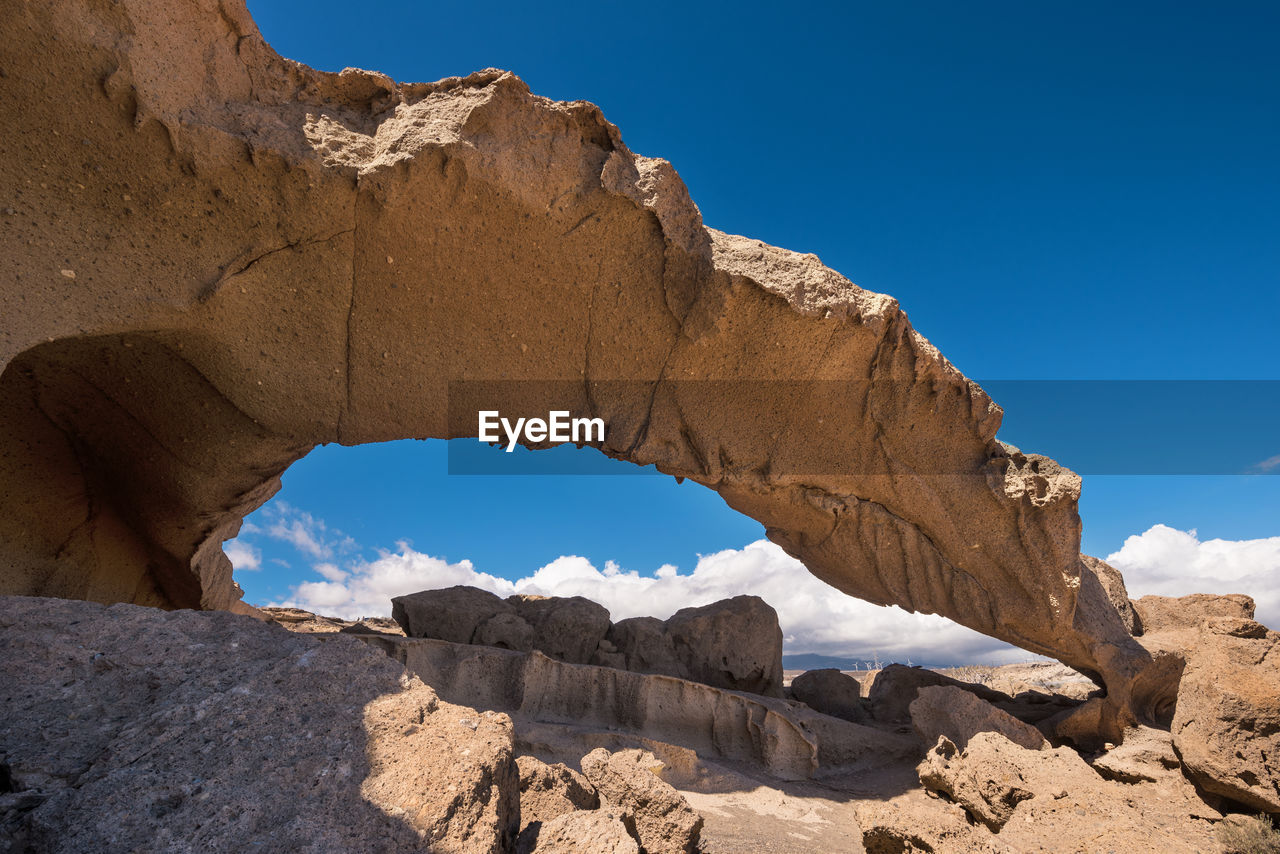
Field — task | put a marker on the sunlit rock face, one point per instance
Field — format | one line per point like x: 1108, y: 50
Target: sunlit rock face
x: 221, y: 258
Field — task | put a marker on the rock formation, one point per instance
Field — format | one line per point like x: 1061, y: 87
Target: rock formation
x: 654, y: 813
x: 790, y: 741
x: 939, y: 711
x: 550, y: 791
x: 734, y: 644
x: 125, y: 729
x: 222, y: 258
x: 830, y: 692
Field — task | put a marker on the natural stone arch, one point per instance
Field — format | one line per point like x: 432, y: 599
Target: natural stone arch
x: 261, y: 257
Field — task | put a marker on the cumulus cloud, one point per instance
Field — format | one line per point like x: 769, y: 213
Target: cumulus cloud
x: 1165, y: 561
x: 814, y: 617
x: 243, y: 556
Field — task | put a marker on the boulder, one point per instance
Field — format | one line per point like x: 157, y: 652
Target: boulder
x: 1157, y: 614
x: 1226, y: 726
x: 505, y: 630
x: 656, y: 815
x: 548, y: 791
x: 569, y: 629
x: 945, y: 710
x: 831, y: 692
x: 130, y: 728
x: 452, y: 613
x: 993, y: 775
x: 895, y: 687
x: 646, y: 646
x: 734, y: 643
x: 590, y: 832
x: 1146, y: 755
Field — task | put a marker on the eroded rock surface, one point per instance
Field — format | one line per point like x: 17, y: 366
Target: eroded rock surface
x: 548, y: 791
x: 831, y: 692
x: 129, y: 728
x: 659, y: 818
x: 261, y: 257
x: 944, y: 710
x: 589, y: 832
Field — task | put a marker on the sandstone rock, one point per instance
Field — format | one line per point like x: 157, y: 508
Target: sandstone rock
x: 895, y: 687
x: 452, y: 614
x: 285, y: 326
x: 1145, y: 755
x: 549, y: 791
x: 789, y: 741
x: 657, y: 816
x: 590, y: 832
x: 129, y: 728
x: 569, y: 629
x: 1226, y: 728
x: 830, y: 692
x: 1113, y: 583
x: 734, y: 643
x: 993, y: 775
x: 505, y: 631
x: 1158, y: 614
x: 944, y: 710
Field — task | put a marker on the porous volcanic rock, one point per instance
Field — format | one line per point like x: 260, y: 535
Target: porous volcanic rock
x: 658, y: 816
x: 569, y: 629
x: 452, y: 613
x: 1226, y: 727
x: 944, y: 710
x: 895, y: 687
x: 260, y: 258
x: 831, y: 692
x: 551, y: 790
x: 130, y: 728
x: 734, y: 643
x: 584, y: 832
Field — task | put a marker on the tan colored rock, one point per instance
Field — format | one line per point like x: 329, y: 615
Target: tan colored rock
x: 944, y: 710
x: 831, y: 692
x: 1113, y: 583
x: 240, y: 307
x: 591, y: 832
x: 569, y: 629
x: 144, y: 730
x: 1157, y: 614
x: 656, y: 815
x: 1145, y: 755
x: 1226, y: 728
x: 789, y: 741
x: 895, y: 687
x: 452, y: 614
x: 549, y: 791
x: 734, y: 643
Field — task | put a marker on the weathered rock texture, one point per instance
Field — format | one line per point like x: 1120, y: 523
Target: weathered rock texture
x: 734, y: 644
x: 220, y: 258
x: 549, y: 791
x: 132, y: 729
x: 959, y: 715
x: 789, y: 741
x: 831, y: 692
x: 586, y: 832
x: 656, y: 815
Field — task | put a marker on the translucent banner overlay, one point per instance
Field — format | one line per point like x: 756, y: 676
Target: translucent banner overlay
x: 860, y: 428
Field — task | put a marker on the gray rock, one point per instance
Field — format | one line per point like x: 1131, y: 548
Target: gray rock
x: 831, y: 692
x: 657, y: 816
x: 735, y: 643
x: 452, y: 613
x: 569, y: 629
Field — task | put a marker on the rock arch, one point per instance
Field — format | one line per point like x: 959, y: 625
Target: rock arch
x: 226, y: 258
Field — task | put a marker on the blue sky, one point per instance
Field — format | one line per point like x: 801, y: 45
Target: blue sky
x: 1052, y: 191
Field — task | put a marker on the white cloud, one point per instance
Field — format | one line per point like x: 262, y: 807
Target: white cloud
x: 306, y: 533
x: 1165, y: 561
x: 243, y: 557
x: 814, y: 616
